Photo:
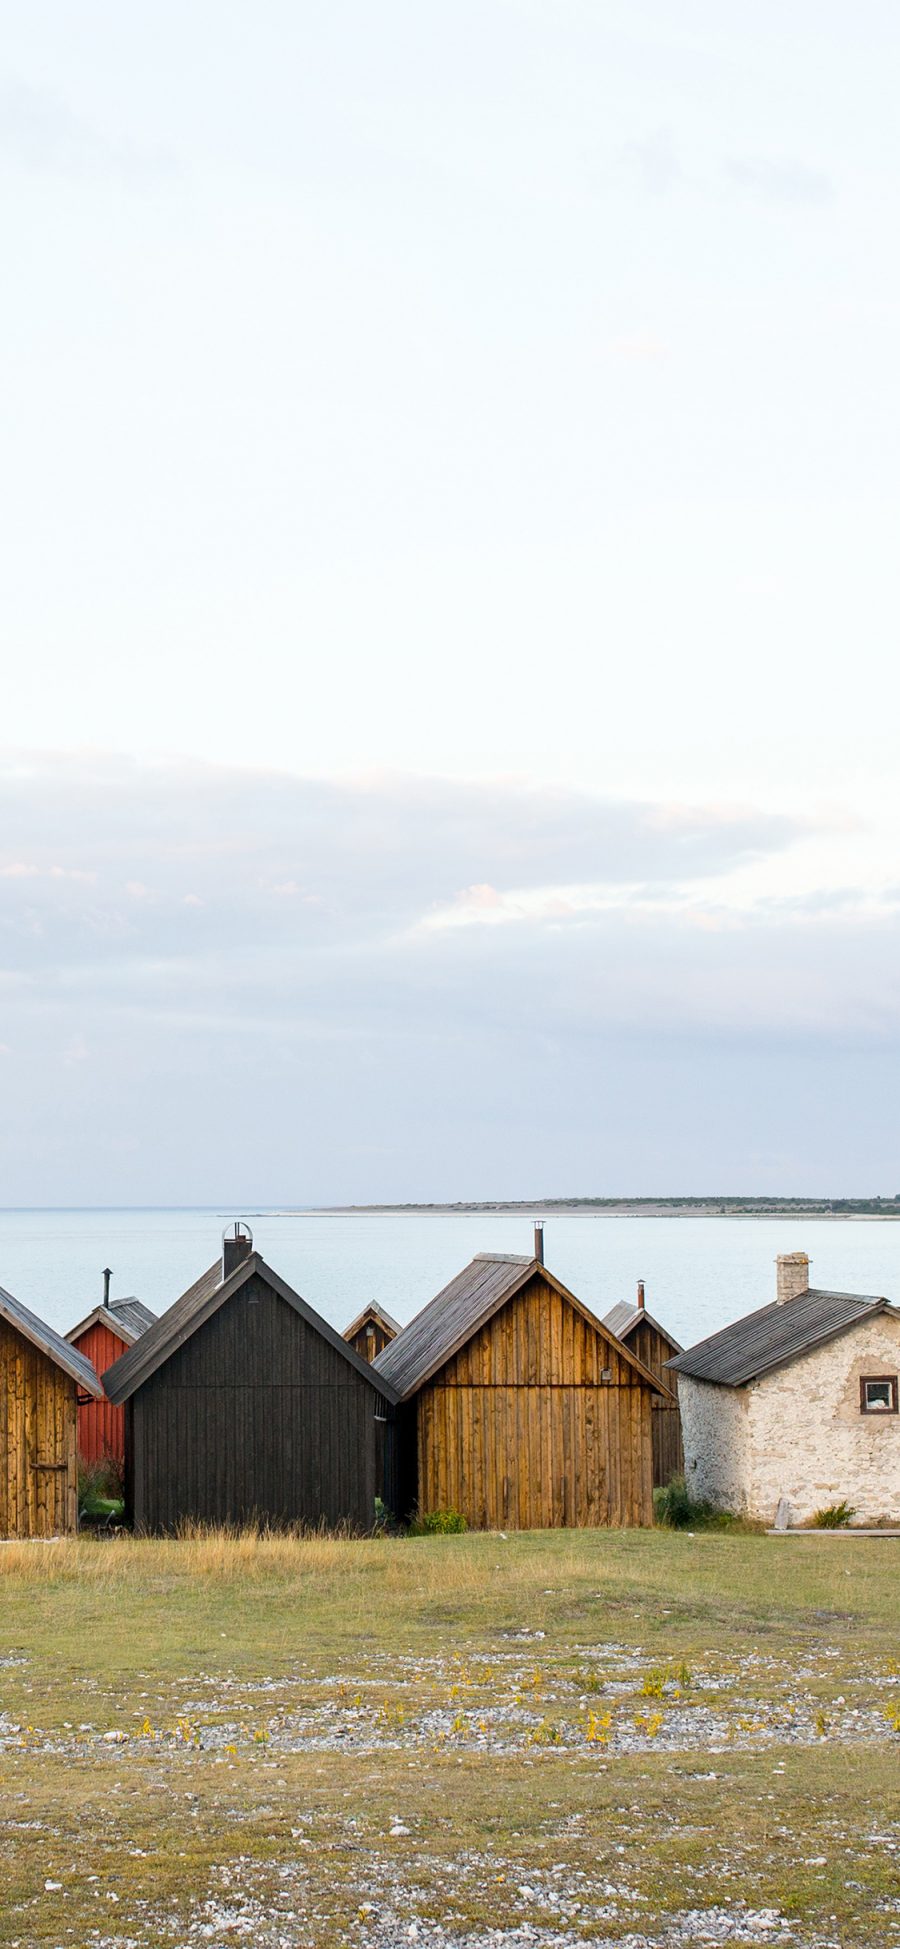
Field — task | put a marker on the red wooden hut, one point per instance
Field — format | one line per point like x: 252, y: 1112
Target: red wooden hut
x: 106, y: 1333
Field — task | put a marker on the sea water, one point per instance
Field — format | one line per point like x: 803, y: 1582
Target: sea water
x: 699, y: 1272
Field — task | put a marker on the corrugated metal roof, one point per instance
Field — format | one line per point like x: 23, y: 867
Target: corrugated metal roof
x: 775, y: 1335
x: 372, y: 1312
x: 51, y: 1343
x: 624, y: 1317
x: 182, y: 1319
x: 459, y: 1310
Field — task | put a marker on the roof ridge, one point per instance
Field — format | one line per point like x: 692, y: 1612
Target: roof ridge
x: 773, y: 1335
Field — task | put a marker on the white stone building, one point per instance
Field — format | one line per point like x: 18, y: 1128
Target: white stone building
x: 796, y: 1405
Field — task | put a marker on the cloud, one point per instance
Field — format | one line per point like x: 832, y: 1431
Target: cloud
x: 640, y: 348
x: 653, y: 163
x: 780, y: 180
x: 39, y: 132
x: 331, y: 970
x: 116, y: 850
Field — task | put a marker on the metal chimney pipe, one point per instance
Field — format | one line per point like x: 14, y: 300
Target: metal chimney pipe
x: 539, y: 1240
x: 641, y: 1294
x: 107, y: 1275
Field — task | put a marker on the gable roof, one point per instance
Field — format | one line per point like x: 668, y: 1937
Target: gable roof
x: 196, y: 1306
x: 132, y: 1312
x: 51, y: 1343
x: 461, y: 1309
x: 624, y: 1317
x: 377, y: 1315
x: 126, y: 1318
x: 775, y: 1335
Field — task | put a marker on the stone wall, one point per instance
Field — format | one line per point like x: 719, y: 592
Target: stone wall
x: 799, y: 1434
x: 810, y: 1443
x: 714, y: 1428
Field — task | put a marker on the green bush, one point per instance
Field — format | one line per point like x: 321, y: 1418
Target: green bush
x: 836, y: 1516
x: 100, y: 1491
x: 675, y: 1508
x: 439, y: 1522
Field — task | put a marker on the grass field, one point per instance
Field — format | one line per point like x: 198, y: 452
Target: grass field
x: 637, y: 1738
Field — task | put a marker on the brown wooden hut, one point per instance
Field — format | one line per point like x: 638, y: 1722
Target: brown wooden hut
x: 242, y: 1404
x: 371, y: 1331
x: 519, y: 1408
x: 654, y: 1345
x: 42, y: 1379
x: 103, y: 1337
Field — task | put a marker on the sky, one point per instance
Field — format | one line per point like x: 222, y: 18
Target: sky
x: 449, y: 600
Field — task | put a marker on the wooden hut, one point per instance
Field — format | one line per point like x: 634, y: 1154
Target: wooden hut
x: 371, y: 1331
x: 518, y: 1408
x: 242, y: 1405
x: 42, y: 1378
x: 654, y: 1345
x: 103, y: 1337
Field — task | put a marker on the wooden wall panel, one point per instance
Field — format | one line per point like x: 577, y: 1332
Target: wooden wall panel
x: 654, y: 1349
x: 370, y: 1340
x: 38, y: 1475
x: 256, y: 1417
x: 101, y: 1425
x: 520, y: 1431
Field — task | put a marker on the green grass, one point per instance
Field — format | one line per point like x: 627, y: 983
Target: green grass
x: 587, y: 1732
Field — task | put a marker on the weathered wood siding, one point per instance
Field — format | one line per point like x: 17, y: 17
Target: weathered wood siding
x: 520, y: 1431
x: 101, y: 1426
x: 256, y: 1417
x: 654, y: 1349
x: 370, y: 1340
x: 38, y: 1475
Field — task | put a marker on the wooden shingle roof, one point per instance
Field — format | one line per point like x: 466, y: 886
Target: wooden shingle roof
x: 197, y: 1305
x: 460, y: 1309
x: 133, y: 1313
x: 378, y: 1315
x: 624, y: 1317
x: 51, y: 1343
x: 126, y: 1318
x: 775, y: 1335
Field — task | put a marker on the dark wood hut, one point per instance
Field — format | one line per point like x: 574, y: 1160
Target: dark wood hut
x: 371, y: 1331
x: 103, y: 1337
x: 242, y: 1405
x: 42, y: 1379
x: 654, y: 1345
x: 518, y: 1408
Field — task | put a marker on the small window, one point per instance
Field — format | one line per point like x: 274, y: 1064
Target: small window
x: 878, y: 1394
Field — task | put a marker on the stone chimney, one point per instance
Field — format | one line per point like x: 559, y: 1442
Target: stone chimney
x: 791, y: 1275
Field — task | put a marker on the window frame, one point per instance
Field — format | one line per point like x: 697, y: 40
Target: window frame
x: 878, y: 1380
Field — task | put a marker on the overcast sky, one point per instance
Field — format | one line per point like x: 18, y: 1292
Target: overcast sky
x: 449, y: 591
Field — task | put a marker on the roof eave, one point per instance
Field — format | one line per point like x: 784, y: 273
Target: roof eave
x: 225, y: 1290
x: 527, y: 1271
x: 759, y: 1372
x: 640, y: 1315
x: 102, y: 1315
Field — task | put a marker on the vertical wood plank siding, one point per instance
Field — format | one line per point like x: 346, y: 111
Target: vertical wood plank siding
x: 519, y: 1431
x: 101, y: 1425
x: 38, y: 1477
x: 654, y: 1349
x: 370, y: 1340
x: 255, y: 1417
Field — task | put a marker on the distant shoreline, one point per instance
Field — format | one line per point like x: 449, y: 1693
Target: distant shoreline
x: 798, y: 1208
